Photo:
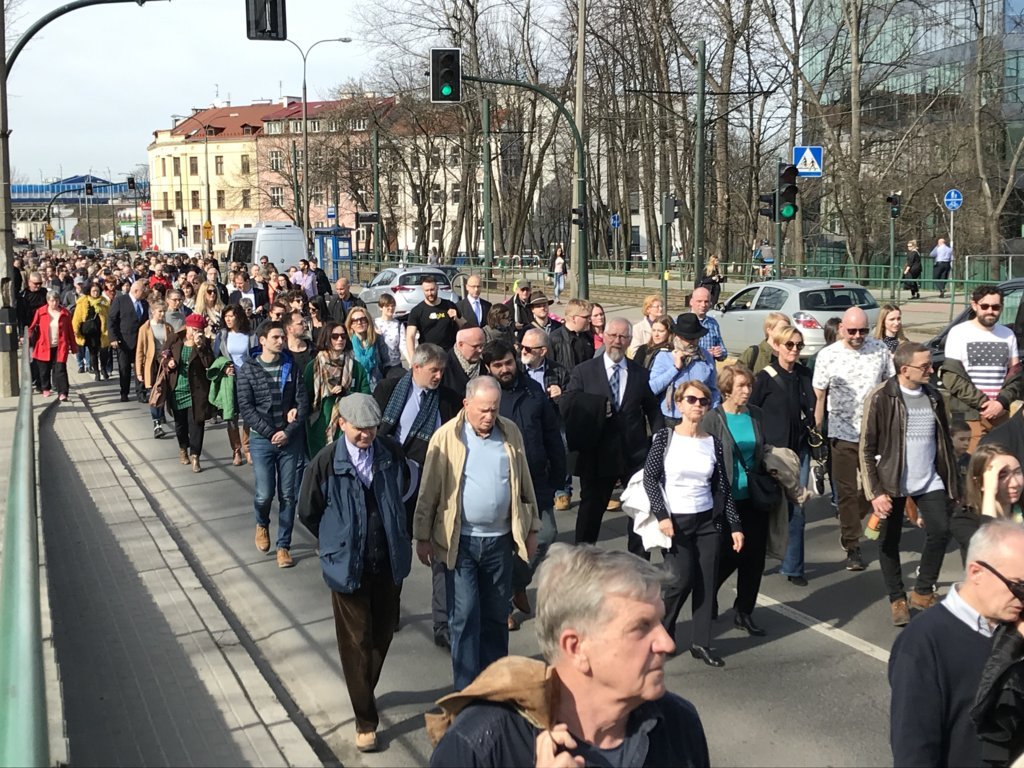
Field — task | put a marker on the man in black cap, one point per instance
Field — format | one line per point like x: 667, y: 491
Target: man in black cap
x: 688, y: 362
x: 519, y: 304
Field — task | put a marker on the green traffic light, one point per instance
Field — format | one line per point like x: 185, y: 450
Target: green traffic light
x: 446, y: 90
x: 788, y: 211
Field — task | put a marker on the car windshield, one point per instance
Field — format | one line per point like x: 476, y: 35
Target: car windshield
x: 836, y: 299
x: 416, y: 278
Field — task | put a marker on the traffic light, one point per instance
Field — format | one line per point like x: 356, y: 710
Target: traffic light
x: 787, y: 193
x: 181, y: 233
x: 670, y: 209
x: 446, y: 75
x: 131, y: 183
x: 88, y: 189
x: 265, y: 20
x: 768, y: 206
x: 578, y: 216
x: 894, y: 202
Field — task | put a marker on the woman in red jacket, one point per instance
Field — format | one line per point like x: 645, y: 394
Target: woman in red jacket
x: 54, y: 341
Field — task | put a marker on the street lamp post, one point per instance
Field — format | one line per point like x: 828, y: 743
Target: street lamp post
x: 305, y: 128
x: 206, y: 161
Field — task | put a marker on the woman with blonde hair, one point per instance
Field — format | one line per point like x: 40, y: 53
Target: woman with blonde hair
x: 155, y: 336
x: 889, y: 327
x: 712, y: 279
x: 367, y: 347
x: 757, y: 356
x: 653, y: 309
x: 210, y: 307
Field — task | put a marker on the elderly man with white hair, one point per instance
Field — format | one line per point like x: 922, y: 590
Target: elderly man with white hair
x: 463, y: 363
x: 476, y: 511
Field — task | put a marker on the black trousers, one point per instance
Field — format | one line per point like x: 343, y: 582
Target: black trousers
x: 125, y: 363
x: 53, y: 374
x: 940, y: 273
x: 935, y: 509
x: 595, y: 492
x: 364, y: 623
x: 748, y: 563
x: 190, y: 435
x: 692, y: 564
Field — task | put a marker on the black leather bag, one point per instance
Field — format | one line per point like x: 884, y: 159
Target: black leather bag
x: 764, y: 489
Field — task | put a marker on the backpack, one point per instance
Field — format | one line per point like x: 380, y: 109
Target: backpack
x: 90, y: 327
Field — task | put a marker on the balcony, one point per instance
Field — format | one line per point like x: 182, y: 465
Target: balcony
x: 161, y: 213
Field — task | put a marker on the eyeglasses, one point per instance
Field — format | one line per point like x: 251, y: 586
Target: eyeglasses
x: 1016, y: 587
x: 858, y: 331
x: 531, y: 350
x: 617, y: 336
x: 694, y: 400
x: 986, y: 307
x: 359, y: 320
x: 336, y: 336
x: 922, y: 368
x: 797, y: 345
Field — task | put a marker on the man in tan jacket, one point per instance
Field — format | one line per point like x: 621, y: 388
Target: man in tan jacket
x: 476, y: 510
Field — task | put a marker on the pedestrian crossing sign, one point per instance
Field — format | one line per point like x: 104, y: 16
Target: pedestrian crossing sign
x: 808, y: 161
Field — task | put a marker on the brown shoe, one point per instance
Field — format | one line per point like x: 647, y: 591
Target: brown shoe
x: 236, y: 457
x: 923, y: 602
x: 183, y: 456
x: 195, y: 465
x: 521, y: 601
x: 561, y: 503
x: 613, y: 505
x: 900, y: 612
x: 284, y: 559
x: 366, y: 742
x: 262, y: 538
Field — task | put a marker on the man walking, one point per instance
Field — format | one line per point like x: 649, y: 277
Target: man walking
x: 519, y: 304
x: 128, y: 311
x: 943, y: 263
x: 906, y: 452
x: 845, y: 373
x: 700, y: 303
x: 352, y: 501
x: 342, y: 301
x: 435, y: 319
x: 272, y: 400
x: 473, y: 309
x: 981, y: 362
x: 553, y: 379
x: 476, y: 511
x: 463, y: 363
x: 305, y: 278
x: 525, y: 403
x: 573, y: 343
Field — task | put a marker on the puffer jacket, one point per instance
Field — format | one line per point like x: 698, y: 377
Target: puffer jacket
x: 256, y: 399
x: 883, y: 442
x: 530, y: 408
x: 332, y: 505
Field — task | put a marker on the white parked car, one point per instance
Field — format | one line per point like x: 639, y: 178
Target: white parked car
x: 404, y: 285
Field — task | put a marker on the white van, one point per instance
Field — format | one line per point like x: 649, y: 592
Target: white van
x: 283, y: 244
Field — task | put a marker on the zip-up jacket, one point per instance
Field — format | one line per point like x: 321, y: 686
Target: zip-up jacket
x: 960, y: 386
x: 530, y: 408
x: 883, y: 441
x: 258, y: 403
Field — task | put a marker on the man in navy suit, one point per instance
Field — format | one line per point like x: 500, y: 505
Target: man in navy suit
x: 128, y: 311
x: 473, y: 309
x: 608, y: 407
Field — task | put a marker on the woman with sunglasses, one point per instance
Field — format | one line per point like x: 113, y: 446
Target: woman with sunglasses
x: 783, y: 393
x: 689, y: 492
x: 367, y: 347
x: 739, y: 427
x: 329, y: 376
x: 210, y: 307
x: 994, y: 485
x: 889, y: 326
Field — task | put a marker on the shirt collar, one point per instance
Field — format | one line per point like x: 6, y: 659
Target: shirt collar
x: 966, y: 613
x: 610, y: 366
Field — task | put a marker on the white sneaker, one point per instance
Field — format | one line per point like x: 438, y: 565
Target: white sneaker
x: 158, y: 430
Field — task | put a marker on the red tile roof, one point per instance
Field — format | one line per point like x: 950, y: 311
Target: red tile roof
x: 317, y: 108
x: 228, y: 122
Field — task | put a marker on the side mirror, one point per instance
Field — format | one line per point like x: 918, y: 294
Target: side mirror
x: 720, y: 306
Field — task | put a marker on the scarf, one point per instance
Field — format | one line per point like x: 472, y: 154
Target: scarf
x: 472, y: 370
x: 426, y: 419
x: 690, y: 356
x: 328, y: 373
x: 366, y: 357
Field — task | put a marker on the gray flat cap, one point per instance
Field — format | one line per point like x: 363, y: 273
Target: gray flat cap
x: 359, y: 410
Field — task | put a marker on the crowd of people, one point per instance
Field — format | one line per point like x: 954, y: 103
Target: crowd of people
x: 457, y: 437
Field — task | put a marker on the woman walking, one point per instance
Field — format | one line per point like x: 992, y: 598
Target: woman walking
x: 89, y: 323
x: 155, y: 336
x: 712, y: 279
x: 367, y: 347
x: 597, y: 322
x: 689, y: 493
x: 889, y: 327
x: 912, y: 270
x: 237, y: 342
x: 54, y: 341
x: 661, y: 338
x: 994, y: 485
x: 329, y: 376
x: 559, y: 269
x: 189, y: 393
x: 210, y: 307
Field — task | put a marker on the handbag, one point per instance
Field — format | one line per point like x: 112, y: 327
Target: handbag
x: 764, y: 489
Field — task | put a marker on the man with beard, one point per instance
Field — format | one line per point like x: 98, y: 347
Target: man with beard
x: 980, y: 356
x: 844, y: 375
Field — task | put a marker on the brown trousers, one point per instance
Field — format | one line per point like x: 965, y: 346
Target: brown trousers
x: 853, y: 507
x: 364, y: 623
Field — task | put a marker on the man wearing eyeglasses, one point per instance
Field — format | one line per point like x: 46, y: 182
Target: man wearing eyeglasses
x: 844, y: 375
x: 937, y: 663
x: 906, y: 452
x: 981, y: 362
x: 30, y: 300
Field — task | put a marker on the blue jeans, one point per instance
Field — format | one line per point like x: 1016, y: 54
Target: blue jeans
x: 479, y: 588
x: 83, y: 357
x: 274, y: 469
x: 793, y: 562
x: 522, y: 572
x: 559, y: 285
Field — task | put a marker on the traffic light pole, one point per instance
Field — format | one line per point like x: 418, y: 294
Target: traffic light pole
x: 668, y: 205
x: 698, y: 175
x: 778, y: 235
x: 485, y: 125
x: 583, y: 273
x: 892, y: 257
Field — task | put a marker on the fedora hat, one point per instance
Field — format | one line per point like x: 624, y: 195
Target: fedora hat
x: 688, y: 326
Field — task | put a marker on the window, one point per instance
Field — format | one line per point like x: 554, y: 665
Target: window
x: 246, y: 198
x: 360, y: 158
x: 393, y: 191
x: 456, y: 194
x: 221, y: 198
x: 634, y: 203
x: 479, y: 193
x: 435, y: 231
x: 435, y: 155
x: 195, y: 199
x: 743, y: 300
x: 275, y: 128
x: 436, y: 195
x: 176, y: 165
x: 247, y: 130
x: 416, y: 194
x: 332, y: 126
x: 296, y: 126
x: 358, y: 124
x: 245, y: 164
x: 197, y: 234
x: 275, y: 160
x: 163, y: 166
x: 222, y: 233
x: 313, y: 125
x: 277, y: 197
x: 298, y: 160
x: 455, y: 155
x: 771, y: 298
x: 218, y: 165
x: 193, y: 166
x: 177, y: 200
x: 316, y: 197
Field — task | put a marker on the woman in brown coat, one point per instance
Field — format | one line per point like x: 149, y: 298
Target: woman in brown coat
x: 189, y: 394
x: 155, y: 337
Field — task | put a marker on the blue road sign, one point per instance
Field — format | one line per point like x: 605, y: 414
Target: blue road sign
x: 954, y: 199
x: 616, y: 221
x: 332, y: 212
x: 809, y: 161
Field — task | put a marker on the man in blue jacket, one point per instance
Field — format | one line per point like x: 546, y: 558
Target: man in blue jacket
x: 352, y: 501
x: 273, y: 402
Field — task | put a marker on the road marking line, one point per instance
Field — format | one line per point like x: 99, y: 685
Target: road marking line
x: 840, y: 635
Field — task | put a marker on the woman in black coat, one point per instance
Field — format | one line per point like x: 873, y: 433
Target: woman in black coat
x: 912, y: 270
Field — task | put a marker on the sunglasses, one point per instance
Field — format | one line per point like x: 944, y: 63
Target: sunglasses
x: 359, y: 320
x: 1016, y: 587
x: 210, y: 291
x: 336, y: 336
x: 858, y: 331
x: 797, y: 345
x: 531, y: 350
x: 986, y: 307
x: 694, y: 400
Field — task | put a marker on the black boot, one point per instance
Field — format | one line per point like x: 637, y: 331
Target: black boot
x: 746, y: 623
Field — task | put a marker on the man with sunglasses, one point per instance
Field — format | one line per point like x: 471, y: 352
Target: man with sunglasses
x: 906, y: 452
x: 981, y: 360
x: 936, y: 664
x: 845, y: 373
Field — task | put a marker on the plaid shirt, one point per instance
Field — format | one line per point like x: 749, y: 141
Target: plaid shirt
x: 713, y: 338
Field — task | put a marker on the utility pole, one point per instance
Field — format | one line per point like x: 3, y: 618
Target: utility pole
x: 579, y: 200
x: 8, y: 312
x: 377, y: 249
x: 698, y: 168
x: 485, y: 118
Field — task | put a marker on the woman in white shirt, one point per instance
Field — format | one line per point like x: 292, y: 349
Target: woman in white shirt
x: 690, y: 494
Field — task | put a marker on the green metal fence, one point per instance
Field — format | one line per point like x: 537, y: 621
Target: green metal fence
x: 24, y: 739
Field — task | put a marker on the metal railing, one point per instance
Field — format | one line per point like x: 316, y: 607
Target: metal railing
x: 24, y: 737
